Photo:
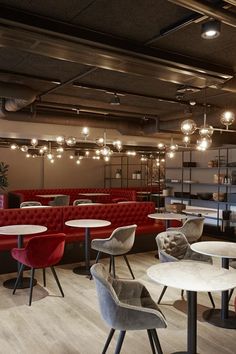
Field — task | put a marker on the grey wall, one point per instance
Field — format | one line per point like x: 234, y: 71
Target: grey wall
x: 39, y: 173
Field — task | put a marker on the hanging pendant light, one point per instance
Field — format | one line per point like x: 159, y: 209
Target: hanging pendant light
x: 188, y: 127
x: 227, y: 118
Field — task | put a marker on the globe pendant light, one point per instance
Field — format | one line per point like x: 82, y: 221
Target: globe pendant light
x: 227, y: 118
x: 188, y: 127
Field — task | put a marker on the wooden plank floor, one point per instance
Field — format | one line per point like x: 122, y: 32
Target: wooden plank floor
x: 55, y: 325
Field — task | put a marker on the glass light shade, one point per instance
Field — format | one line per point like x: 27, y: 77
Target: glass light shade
x: 85, y: 132
x: 204, y: 143
x: 186, y: 139
x: 52, y: 160
x: 173, y: 147
x: 27, y: 155
x: 87, y: 153
x: 161, y: 146
x: 227, y: 118
x: 34, y: 142
x: 188, y: 127
x: 170, y: 154
x: 78, y: 162
x: 71, y: 141
x: 97, y: 152
x: 107, y: 158
x: 71, y: 157
x: 99, y: 141
x: 105, y: 151
x: 59, y: 156
x: 117, y: 144
x: 45, y: 148
x: 60, y: 149
x: 14, y: 146
x: 24, y: 148
x: 206, y: 130
x: 60, y: 140
x: 50, y: 156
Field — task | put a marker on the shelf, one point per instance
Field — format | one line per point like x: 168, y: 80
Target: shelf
x: 203, y: 183
x: 200, y: 168
x: 201, y: 200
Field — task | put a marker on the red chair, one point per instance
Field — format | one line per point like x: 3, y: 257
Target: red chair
x: 40, y: 252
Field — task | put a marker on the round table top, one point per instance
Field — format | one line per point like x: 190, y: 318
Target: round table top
x: 87, y: 223
x: 93, y: 194
x: 167, y: 216
x: 215, y: 248
x: 50, y: 195
x: 193, y: 276
x: 22, y: 229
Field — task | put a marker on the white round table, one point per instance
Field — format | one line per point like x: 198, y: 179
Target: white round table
x: 192, y: 276
x: 87, y: 224
x: 225, y: 251
x: 167, y: 217
x: 20, y: 231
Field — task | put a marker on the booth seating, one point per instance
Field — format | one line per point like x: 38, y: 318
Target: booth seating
x: 114, y: 195
x: 54, y: 219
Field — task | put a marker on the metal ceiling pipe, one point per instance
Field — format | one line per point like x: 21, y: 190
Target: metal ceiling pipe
x: 205, y: 8
x: 15, y: 97
x: 124, y: 126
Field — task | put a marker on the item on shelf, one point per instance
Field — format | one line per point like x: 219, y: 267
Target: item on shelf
x: 219, y: 178
x: 167, y: 192
x: 211, y: 164
x: 189, y: 164
x: 175, y: 180
x: 175, y: 207
x: 227, y: 179
x: 118, y: 173
x: 231, y: 164
x: 138, y: 174
x: 226, y: 214
x: 232, y: 198
x: 204, y: 196
x: 134, y: 175
x: 233, y: 177
x: 189, y: 181
x: 219, y: 197
x: 182, y: 194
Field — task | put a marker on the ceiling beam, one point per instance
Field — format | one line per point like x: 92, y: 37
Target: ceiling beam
x: 211, y: 10
x: 63, y: 41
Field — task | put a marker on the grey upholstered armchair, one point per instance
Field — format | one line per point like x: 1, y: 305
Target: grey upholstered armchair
x: 119, y: 243
x: 174, y: 247
x: 60, y: 200
x: 29, y: 203
x: 127, y: 305
x: 192, y: 228
x: 82, y: 201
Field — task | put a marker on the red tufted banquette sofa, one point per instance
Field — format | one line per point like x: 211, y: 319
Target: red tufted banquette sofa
x: 54, y: 219
x: 114, y: 195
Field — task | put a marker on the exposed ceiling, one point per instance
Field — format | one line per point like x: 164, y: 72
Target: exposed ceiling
x: 75, y: 55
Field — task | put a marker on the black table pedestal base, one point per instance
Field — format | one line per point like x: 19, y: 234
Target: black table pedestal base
x: 82, y: 270
x: 24, y: 283
x: 213, y: 316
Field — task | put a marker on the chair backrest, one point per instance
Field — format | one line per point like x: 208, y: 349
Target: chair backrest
x: 61, y: 200
x: 29, y: 203
x: 45, y: 251
x: 122, y: 239
x: 82, y: 201
x: 107, y: 298
x: 192, y: 228
x: 172, y: 246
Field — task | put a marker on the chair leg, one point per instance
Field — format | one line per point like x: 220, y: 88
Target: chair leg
x: 57, y: 280
x: 108, y: 341
x: 128, y: 265
x: 110, y: 264
x: 18, y: 278
x: 120, y: 342
x: 151, y: 341
x: 230, y: 294
x: 162, y: 294
x: 31, y: 285
x: 96, y: 261
x: 182, y: 293
x: 113, y: 266
x: 156, y: 341
x: 211, y: 299
x: 44, y: 277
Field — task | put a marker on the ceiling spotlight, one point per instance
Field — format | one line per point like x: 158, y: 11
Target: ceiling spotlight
x: 60, y: 140
x: 71, y: 141
x: 34, y: 142
x: 188, y: 127
x: 227, y: 118
x: 24, y: 148
x: 210, y: 29
x: 115, y: 100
